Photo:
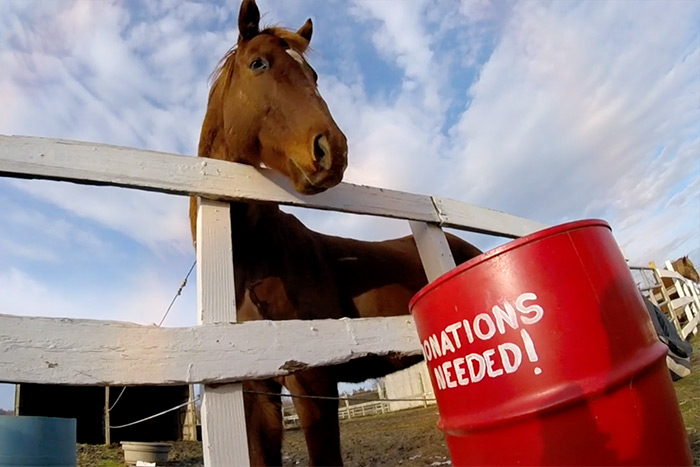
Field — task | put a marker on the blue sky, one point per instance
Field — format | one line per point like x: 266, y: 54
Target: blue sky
x: 554, y: 111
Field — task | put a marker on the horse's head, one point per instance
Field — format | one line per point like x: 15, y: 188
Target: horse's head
x: 684, y: 266
x: 265, y: 108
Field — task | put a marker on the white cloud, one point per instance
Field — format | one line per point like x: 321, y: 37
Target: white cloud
x: 44, y: 236
x: 22, y: 250
x: 156, y: 220
x: 143, y: 299
x: 564, y: 121
x: 572, y: 107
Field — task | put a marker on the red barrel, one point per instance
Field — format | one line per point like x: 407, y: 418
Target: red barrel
x: 541, y: 352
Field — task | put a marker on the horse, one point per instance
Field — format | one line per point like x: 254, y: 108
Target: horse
x: 684, y: 266
x: 264, y: 109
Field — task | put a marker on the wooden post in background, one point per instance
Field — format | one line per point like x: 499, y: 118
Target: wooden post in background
x: 17, y: 386
x: 224, y: 439
x: 108, y: 437
x: 189, y: 430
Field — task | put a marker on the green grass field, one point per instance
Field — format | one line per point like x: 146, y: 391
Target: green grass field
x: 688, y: 392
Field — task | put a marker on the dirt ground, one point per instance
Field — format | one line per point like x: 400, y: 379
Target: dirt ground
x: 406, y: 438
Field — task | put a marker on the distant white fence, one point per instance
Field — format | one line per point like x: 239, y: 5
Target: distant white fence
x: 345, y: 412
x: 676, y: 296
x: 91, y: 352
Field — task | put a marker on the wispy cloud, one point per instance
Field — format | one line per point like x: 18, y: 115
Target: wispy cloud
x: 156, y: 220
x: 569, y: 113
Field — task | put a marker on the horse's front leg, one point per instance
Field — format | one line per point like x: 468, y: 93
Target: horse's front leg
x: 318, y: 417
x: 263, y: 415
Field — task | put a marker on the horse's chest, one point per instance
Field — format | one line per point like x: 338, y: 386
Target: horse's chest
x: 285, y: 280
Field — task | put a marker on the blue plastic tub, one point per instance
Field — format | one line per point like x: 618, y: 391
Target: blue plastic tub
x: 37, y: 441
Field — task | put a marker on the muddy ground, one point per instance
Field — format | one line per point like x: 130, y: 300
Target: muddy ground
x: 407, y: 438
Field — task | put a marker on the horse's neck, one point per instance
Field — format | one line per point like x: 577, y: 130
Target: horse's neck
x: 250, y: 222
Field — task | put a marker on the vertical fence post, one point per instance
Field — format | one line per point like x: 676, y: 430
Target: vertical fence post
x: 433, y: 249
x: 224, y: 439
x: 108, y: 438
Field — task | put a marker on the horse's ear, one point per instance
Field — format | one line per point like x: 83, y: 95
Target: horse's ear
x: 248, y: 20
x: 306, y: 30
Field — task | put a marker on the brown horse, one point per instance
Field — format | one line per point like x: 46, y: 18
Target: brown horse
x: 685, y: 268
x: 264, y: 109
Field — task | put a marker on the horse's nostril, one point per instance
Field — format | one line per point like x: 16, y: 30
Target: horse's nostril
x: 322, y: 151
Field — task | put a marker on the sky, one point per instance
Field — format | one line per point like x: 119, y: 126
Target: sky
x: 553, y: 111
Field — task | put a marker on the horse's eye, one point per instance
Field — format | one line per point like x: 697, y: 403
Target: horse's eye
x: 259, y: 65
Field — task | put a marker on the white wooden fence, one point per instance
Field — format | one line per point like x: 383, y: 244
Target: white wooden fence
x: 678, y: 298
x: 347, y: 411
x: 91, y: 352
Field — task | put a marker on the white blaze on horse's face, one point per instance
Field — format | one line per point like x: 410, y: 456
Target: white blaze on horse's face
x: 296, y: 56
x: 300, y: 60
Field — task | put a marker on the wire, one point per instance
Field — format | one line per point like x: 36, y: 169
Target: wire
x: 156, y: 415
x: 178, y: 293
x: 363, y: 399
x: 172, y: 302
x: 297, y: 396
x: 118, y: 397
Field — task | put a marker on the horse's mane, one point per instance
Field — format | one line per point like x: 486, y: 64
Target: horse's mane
x: 224, y: 69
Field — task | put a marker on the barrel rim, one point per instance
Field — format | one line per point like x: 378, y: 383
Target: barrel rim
x: 498, y: 251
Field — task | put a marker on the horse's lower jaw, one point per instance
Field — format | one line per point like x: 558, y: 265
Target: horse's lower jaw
x: 304, y: 184
x: 308, y: 189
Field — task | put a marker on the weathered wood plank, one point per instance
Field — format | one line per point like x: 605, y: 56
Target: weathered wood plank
x: 224, y: 438
x: 671, y: 275
x: 98, y: 164
x: 93, y: 352
x: 483, y: 220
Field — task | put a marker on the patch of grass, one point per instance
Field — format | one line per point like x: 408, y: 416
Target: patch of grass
x: 99, y: 455
x: 110, y: 463
x: 688, y: 393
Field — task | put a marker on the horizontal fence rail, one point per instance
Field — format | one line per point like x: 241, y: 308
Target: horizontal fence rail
x: 93, y: 352
x: 98, y: 164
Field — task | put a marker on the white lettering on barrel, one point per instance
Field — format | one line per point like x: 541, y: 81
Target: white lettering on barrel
x: 489, y: 364
x: 485, y: 361
x: 448, y: 377
x: 452, y: 328
x: 468, y: 331
x: 530, y: 349
x: 507, y: 316
x: 476, y: 375
x: 510, y: 365
x: 460, y: 372
x: 490, y: 327
x: 446, y: 343
x: 439, y: 377
x: 536, y: 310
x: 435, y: 346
